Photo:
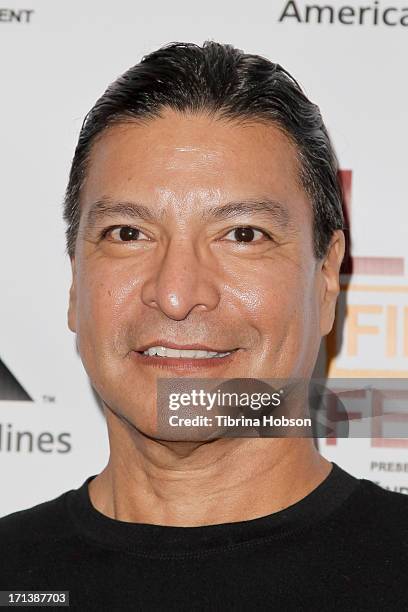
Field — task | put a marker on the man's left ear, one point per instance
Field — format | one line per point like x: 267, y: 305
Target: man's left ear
x: 330, y: 281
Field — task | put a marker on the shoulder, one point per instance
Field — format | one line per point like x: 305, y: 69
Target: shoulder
x: 378, y: 513
x: 33, y: 541
x: 384, y: 499
x: 26, y: 527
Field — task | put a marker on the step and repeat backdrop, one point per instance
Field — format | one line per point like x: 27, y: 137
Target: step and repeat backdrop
x: 57, y: 58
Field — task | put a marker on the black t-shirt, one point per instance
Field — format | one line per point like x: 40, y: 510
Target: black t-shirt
x: 343, y: 547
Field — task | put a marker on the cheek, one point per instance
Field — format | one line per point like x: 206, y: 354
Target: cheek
x: 106, y: 296
x: 278, y: 300
x: 273, y: 292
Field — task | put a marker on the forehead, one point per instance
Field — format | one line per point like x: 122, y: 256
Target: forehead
x: 186, y: 156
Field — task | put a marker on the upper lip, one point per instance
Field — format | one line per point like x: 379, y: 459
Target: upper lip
x: 192, y: 346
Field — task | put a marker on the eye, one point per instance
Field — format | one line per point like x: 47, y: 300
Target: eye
x: 123, y: 233
x: 248, y: 234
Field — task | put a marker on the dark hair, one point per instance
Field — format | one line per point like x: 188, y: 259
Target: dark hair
x: 224, y: 81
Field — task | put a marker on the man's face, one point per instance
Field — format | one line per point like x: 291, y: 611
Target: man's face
x: 186, y: 274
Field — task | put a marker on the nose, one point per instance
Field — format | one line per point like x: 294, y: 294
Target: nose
x: 182, y: 280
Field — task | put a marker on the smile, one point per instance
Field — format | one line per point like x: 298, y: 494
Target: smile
x: 180, y: 359
x: 163, y: 351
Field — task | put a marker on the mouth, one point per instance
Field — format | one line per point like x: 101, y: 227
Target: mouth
x: 195, y: 357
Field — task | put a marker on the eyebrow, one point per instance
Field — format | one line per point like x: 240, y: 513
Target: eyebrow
x: 269, y: 208
x: 106, y: 207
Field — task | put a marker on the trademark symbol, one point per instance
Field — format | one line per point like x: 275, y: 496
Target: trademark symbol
x: 48, y: 399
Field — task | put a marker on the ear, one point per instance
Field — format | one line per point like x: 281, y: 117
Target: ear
x: 330, y: 281
x: 72, y: 300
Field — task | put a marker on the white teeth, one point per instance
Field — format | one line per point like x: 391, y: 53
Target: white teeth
x: 163, y: 351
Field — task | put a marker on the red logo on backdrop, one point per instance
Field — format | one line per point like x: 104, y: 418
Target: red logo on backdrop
x: 390, y: 266
x: 385, y: 308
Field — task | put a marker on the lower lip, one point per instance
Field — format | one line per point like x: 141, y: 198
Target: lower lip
x: 183, y: 363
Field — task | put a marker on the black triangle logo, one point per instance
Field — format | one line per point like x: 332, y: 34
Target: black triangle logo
x: 10, y: 388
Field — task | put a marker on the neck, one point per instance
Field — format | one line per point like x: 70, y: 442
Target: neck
x: 195, y: 484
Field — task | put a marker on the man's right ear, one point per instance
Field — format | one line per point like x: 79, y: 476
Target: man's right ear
x: 72, y: 300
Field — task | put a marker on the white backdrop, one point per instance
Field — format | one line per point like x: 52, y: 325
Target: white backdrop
x: 57, y: 58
